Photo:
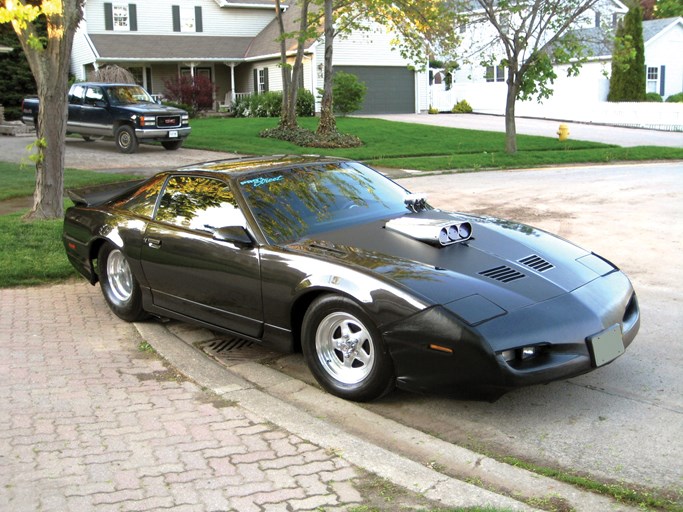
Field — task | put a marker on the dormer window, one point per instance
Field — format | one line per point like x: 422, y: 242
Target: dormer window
x: 120, y: 17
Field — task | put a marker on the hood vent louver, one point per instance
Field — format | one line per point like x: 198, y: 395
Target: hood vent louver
x: 503, y: 274
x: 537, y: 263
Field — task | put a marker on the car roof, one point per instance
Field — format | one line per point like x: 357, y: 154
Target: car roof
x: 258, y: 164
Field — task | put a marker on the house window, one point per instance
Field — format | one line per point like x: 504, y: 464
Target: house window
x: 120, y: 17
x: 495, y: 74
x: 652, y: 79
x: 187, y: 18
x: 260, y: 80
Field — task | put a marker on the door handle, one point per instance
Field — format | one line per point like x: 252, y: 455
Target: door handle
x: 154, y: 243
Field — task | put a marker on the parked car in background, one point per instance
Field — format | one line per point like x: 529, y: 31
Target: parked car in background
x: 376, y: 287
x: 125, y: 112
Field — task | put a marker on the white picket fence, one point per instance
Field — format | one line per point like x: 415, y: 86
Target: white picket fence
x: 655, y: 116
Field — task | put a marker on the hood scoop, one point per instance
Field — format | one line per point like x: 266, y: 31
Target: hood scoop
x: 432, y: 231
x: 537, y: 263
x: 503, y: 273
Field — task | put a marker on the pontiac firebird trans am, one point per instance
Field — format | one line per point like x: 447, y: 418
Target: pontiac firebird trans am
x: 375, y: 287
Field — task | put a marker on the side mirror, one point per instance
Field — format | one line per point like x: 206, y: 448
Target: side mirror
x: 237, y: 235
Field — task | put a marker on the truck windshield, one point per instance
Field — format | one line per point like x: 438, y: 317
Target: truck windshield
x: 128, y: 95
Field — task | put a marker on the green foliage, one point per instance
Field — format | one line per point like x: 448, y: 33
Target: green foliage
x: 668, y: 8
x: 675, y: 98
x: 462, y: 107
x: 348, y: 93
x: 192, y: 112
x: 627, y: 82
x: 16, y: 80
x: 653, y: 97
x: 432, y: 110
x: 537, y: 79
x: 305, y: 103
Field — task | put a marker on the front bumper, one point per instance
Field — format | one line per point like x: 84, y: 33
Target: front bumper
x: 162, y: 133
x: 560, y: 327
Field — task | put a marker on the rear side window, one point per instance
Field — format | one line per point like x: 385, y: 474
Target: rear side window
x: 142, y: 200
x: 199, y: 203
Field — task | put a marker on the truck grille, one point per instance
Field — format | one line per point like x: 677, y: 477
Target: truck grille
x: 168, y: 121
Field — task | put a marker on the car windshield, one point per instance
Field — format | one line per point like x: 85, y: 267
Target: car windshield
x: 128, y: 95
x: 296, y: 203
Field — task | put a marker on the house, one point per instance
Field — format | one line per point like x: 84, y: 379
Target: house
x: 578, y: 98
x: 234, y: 44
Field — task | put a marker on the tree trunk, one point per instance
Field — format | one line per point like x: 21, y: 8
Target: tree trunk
x: 297, y: 70
x: 328, y: 124
x: 285, y: 120
x: 510, y: 126
x: 50, y: 68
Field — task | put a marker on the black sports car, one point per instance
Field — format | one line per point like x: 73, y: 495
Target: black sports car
x: 376, y: 287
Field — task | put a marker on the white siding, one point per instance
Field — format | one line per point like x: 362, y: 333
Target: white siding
x: 666, y: 51
x: 373, y: 48
x: 156, y: 17
x: 81, y: 54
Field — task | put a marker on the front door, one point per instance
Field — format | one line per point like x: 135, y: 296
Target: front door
x: 190, y: 272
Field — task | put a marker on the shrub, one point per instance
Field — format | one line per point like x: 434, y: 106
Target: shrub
x: 305, y: 103
x: 187, y: 108
x: 348, y: 93
x: 675, y: 98
x: 462, y: 107
x: 197, y: 91
x: 653, y: 97
x: 432, y: 110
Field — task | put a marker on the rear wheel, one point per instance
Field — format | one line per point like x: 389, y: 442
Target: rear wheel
x: 119, y: 286
x: 172, y: 145
x: 345, y: 351
x: 126, y: 140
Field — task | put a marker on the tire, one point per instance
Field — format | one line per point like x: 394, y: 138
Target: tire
x: 345, y: 351
x: 126, y: 140
x: 119, y: 286
x: 172, y: 145
x: 87, y: 138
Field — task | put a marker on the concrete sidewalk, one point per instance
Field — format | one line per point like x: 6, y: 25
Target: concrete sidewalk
x: 627, y: 137
x: 92, y: 419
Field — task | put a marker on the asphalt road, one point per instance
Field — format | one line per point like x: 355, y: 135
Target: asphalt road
x: 621, y: 422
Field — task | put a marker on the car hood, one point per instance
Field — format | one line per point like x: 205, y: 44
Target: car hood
x: 153, y: 108
x: 504, y: 265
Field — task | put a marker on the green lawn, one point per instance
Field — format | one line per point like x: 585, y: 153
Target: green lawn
x: 32, y: 252
x: 421, y: 147
x: 20, y: 180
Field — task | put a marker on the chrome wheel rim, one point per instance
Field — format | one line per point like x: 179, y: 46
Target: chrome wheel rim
x: 124, y: 139
x: 345, y: 348
x: 119, y: 277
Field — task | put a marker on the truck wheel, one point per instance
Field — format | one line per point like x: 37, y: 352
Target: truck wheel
x: 126, y: 140
x: 172, y: 145
x: 87, y: 138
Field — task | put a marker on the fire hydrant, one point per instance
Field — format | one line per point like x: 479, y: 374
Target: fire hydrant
x: 563, y: 132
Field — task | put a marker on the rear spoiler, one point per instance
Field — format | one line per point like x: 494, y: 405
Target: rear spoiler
x: 99, y: 194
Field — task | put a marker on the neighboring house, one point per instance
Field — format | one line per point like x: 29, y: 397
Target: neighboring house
x: 485, y: 89
x: 234, y: 43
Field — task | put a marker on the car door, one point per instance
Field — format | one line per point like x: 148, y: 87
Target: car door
x: 75, y: 104
x: 192, y: 273
x: 95, y: 117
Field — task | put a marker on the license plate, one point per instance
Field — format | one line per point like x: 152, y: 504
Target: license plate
x: 606, y: 345
x: 173, y: 134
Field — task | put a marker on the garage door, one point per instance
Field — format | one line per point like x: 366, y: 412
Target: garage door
x: 390, y: 90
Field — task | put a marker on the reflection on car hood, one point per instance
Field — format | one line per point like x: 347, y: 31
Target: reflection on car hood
x: 510, y: 264
x: 153, y: 108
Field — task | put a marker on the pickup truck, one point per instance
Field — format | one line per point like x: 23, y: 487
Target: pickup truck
x: 124, y: 111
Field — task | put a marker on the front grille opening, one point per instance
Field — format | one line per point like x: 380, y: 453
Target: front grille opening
x: 631, y: 313
x: 537, y: 263
x: 503, y: 274
x: 168, y: 121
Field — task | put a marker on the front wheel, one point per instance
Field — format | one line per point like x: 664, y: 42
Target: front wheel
x: 119, y: 286
x: 345, y: 351
x: 172, y: 145
x: 126, y: 140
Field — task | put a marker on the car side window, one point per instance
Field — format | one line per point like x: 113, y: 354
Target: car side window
x: 93, y: 94
x: 76, y: 95
x: 199, y: 203
x: 143, y: 199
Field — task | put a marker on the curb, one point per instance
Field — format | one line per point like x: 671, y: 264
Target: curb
x: 374, y: 443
